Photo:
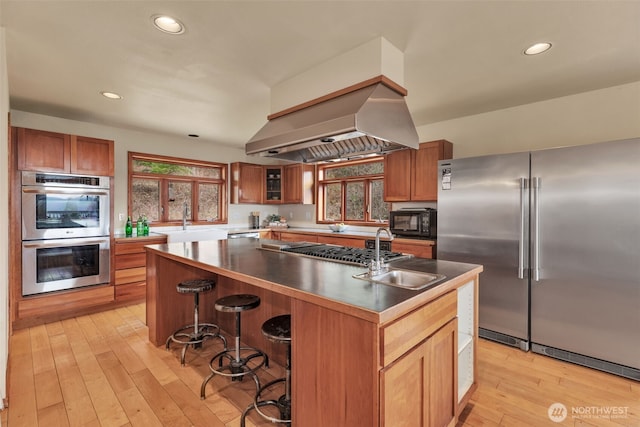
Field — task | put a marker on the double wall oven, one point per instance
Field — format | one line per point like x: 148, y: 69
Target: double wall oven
x: 65, y: 231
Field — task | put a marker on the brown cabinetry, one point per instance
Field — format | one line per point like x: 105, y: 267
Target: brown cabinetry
x: 272, y: 178
x: 44, y: 151
x: 298, y: 184
x: 353, y: 242
x: 420, y: 388
x: 418, y: 385
x: 418, y: 248
x: 258, y: 184
x: 297, y: 237
x: 246, y: 183
x: 130, y: 267
x: 412, y: 175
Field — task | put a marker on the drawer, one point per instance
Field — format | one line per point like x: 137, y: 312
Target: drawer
x: 130, y: 261
x: 137, y: 246
x: 406, y: 332
x: 131, y: 292
x: 130, y: 275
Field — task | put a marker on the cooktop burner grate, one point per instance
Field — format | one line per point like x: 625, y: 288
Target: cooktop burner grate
x: 357, y: 256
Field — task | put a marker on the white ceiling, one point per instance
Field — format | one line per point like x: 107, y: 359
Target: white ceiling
x: 461, y: 57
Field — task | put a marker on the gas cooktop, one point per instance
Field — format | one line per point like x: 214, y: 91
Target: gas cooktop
x: 343, y: 254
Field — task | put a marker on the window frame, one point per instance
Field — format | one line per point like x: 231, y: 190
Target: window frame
x: 366, y: 179
x: 164, y: 179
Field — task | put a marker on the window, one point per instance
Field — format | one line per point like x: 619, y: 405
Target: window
x: 161, y: 187
x: 352, y: 192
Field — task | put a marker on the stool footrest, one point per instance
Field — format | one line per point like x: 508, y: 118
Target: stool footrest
x: 187, y: 336
x: 283, y: 404
x: 237, y: 369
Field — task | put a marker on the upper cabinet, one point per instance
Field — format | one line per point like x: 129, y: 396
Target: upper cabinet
x: 272, y: 176
x: 43, y: 151
x: 412, y: 175
x: 246, y: 183
x: 258, y: 184
x: 298, y: 184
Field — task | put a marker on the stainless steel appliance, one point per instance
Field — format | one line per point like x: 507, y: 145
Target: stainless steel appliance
x: 414, y: 222
x: 65, y: 231
x: 56, y: 264
x: 557, y: 232
x: 361, y: 121
x: 60, y: 206
x: 343, y: 254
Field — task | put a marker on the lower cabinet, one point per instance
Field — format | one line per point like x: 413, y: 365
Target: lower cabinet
x: 420, y: 389
x: 297, y: 237
x: 352, y: 242
x: 130, y: 267
x: 418, y: 383
x: 418, y: 248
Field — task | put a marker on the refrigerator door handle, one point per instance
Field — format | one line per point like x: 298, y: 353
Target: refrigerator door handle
x: 523, y: 194
x: 535, y: 184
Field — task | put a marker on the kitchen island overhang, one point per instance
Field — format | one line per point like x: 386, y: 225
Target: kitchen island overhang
x: 344, y: 318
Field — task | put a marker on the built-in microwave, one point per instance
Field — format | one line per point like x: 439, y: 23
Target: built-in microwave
x: 414, y: 222
x: 56, y: 206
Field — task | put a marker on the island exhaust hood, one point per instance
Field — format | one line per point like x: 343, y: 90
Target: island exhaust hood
x: 369, y: 120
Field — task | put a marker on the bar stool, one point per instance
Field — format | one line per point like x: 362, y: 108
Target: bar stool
x: 237, y: 365
x: 277, y: 330
x: 194, y: 335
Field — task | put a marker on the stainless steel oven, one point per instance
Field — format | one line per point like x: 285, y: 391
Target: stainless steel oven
x: 64, y: 206
x: 56, y: 264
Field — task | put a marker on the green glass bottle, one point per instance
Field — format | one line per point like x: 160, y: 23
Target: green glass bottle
x: 128, y: 228
x: 145, y: 226
x: 140, y: 226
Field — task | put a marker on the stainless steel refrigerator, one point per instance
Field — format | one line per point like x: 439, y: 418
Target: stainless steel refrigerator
x: 558, y: 233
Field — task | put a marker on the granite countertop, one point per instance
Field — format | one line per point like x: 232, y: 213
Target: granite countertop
x: 316, y: 280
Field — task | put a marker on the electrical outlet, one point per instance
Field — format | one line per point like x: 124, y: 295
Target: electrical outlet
x: 308, y: 215
x: 120, y: 217
x: 290, y: 215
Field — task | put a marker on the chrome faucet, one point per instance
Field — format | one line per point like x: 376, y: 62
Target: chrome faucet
x: 185, y: 213
x: 376, y: 265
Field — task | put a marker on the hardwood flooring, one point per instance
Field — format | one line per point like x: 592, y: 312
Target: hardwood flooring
x: 100, y: 370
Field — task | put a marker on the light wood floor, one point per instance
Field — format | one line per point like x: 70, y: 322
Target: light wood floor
x: 101, y: 370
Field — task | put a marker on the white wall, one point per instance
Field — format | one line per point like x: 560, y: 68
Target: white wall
x: 596, y: 116
x: 4, y: 221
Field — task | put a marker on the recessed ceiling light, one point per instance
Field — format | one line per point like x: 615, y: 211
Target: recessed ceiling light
x: 110, y: 95
x: 167, y: 24
x: 537, y: 48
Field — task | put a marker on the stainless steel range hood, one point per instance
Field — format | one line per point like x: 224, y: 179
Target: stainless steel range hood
x: 370, y: 120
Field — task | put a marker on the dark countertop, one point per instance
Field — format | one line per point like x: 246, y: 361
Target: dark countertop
x: 324, y: 282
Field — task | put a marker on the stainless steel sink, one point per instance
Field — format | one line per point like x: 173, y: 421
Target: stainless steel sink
x: 408, y: 279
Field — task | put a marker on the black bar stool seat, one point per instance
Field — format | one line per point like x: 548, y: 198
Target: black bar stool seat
x: 278, y: 330
x: 194, y: 335
x: 237, y: 365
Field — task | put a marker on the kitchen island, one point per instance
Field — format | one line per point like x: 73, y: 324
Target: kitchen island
x: 362, y: 353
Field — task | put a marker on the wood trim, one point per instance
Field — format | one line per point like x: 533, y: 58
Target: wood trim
x: 15, y: 233
x: 374, y: 80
